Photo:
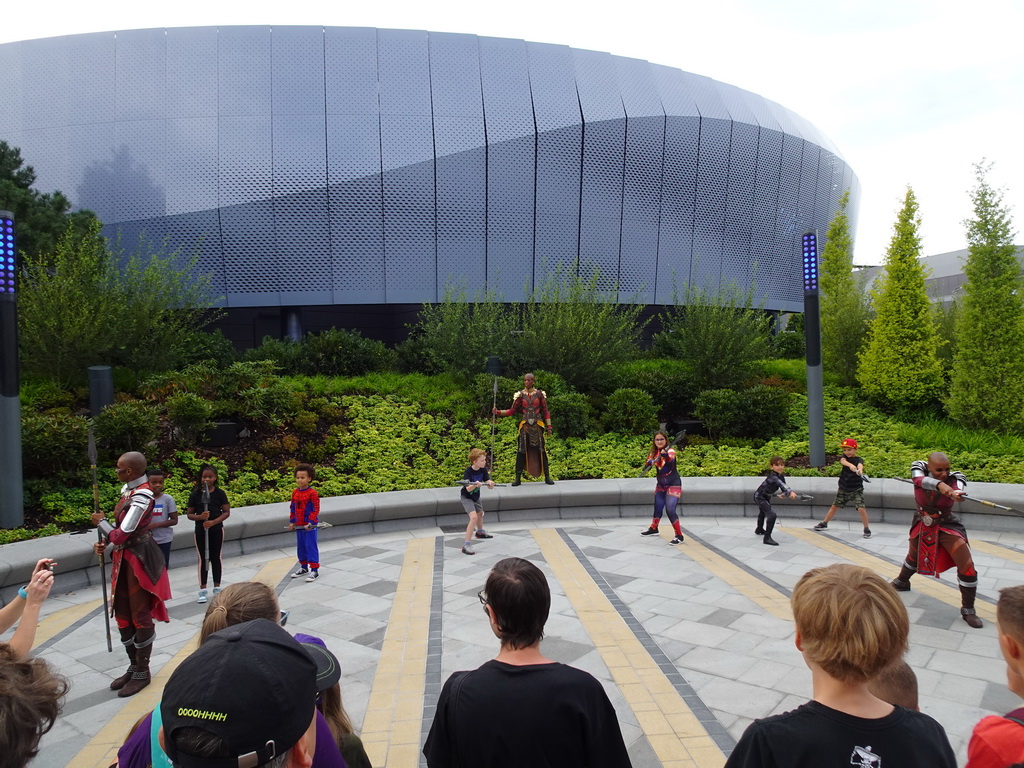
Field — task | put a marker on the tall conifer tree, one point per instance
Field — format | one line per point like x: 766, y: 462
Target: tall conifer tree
x: 899, y: 366
x: 844, y: 305
x: 988, y: 371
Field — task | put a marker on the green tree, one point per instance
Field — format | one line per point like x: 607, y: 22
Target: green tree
x: 988, y: 372
x: 719, y: 333
x: 41, y: 218
x: 899, y: 366
x: 80, y: 306
x: 572, y: 326
x: 844, y: 305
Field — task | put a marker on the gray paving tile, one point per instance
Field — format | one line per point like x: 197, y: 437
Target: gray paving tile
x: 378, y: 588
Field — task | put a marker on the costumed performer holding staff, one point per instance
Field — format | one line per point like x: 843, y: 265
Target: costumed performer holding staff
x: 534, y: 429
x: 669, y: 487
x: 938, y: 540
x: 138, y: 579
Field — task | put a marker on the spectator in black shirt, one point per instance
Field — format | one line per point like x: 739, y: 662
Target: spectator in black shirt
x: 522, y: 709
x: 850, y: 626
x: 851, y: 487
x: 773, y: 484
x: 208, y: 507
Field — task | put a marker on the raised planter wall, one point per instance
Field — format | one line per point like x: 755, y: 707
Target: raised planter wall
x: 263, y: 527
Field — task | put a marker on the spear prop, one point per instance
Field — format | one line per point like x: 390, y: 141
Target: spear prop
x: 473, y: 482
x: 976, y: 500
x: 99, y: 537
x: 673, y: 444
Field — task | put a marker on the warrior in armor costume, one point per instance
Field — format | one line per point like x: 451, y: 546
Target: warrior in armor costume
x: 534, y: 429
x: 938, y: 540
x: 138, y: 580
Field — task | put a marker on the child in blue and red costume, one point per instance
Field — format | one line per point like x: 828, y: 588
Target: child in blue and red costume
x: 938, y: 540
x: 305, y: 515
x: 669, y: 487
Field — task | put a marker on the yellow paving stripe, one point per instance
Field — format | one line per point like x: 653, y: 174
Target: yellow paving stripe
x: 1004, y: 553
x: 768, y: 598
x: 101, y: 751
x: 674, y: 732
x: 926, y: 585
x: 60, y: 620
x: 394, y: 712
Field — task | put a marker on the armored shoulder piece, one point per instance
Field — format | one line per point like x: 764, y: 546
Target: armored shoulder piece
x: 918, y: 469
x: 961, y: 479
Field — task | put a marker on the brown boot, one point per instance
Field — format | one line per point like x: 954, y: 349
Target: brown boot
x: 140, y: 677
x: 128, y: 639
x: 967, y: 612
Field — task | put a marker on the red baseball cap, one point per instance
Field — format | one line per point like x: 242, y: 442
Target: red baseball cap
x: 849, y: 443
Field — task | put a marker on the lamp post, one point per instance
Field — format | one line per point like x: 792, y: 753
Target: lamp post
x: 12, y: 512
x: 812, y: 340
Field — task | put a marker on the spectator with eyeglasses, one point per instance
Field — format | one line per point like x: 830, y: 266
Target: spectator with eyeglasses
x: 938, y: 540
x: 522, y: 708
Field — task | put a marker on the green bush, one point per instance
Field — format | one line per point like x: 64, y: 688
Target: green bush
x: 206, y: 347
x: 127, y: 426
x: 270, y: 402
x: 788, y: 345
x: 305, y: 422
x: 758, y: 412
x: 338, y: 352
x: 190, y: 415
x: 54, y: 446
x: 630, y: 411
x: 669, y: 382
x: 44, y: 395
x: 575, y: 416
x: 285, y: 353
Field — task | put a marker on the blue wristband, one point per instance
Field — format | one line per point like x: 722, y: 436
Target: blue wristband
x: 23, y: 593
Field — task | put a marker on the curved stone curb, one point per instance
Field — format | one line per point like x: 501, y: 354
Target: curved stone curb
x: 258, y: 528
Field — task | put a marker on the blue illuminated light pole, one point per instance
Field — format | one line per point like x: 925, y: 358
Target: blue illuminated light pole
x: 12, y: 512
x: 812, y: 341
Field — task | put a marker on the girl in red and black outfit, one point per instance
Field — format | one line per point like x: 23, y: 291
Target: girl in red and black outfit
x: 669, y: 487
x: 208, y: 507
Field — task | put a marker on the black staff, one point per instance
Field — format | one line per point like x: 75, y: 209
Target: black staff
x: 99, y: 537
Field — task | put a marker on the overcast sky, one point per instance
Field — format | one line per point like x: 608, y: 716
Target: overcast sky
x: 911, y: 91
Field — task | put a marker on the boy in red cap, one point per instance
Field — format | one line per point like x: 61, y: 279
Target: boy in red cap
x: 851, y: 487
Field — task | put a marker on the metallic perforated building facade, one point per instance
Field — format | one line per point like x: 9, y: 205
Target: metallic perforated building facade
x: 338, y: 166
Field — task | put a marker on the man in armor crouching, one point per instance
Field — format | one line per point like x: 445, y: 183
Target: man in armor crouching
x: 138, y: 579
x: 938, y: 540
x: 534, y: 429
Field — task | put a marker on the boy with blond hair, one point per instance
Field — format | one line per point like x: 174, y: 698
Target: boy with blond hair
x: 475, y: 477
x: 998, y: 742
x: 850, y: 626
x: 851, y: 487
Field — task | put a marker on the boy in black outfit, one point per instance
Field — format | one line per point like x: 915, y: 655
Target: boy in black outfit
x: 774, y: 483
x: 851, y: 487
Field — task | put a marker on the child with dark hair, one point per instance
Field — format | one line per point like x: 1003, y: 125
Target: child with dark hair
x: 304, y: 519
x: 165, y: 514
x: 850, y: 626
x: 774, y: 483
x: 522, y: 708
x: 208, y: 508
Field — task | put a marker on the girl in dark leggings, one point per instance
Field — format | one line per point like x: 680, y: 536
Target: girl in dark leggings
x: 669, y: 487
x: 208, y: 507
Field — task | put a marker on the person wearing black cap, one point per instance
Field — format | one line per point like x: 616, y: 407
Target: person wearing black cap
x: 245, y: 699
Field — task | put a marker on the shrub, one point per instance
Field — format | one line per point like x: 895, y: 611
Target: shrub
x: 575, y: 416
x: 669, y: 382
x: 338, y: 352
x: 54, y: 446
x: 719, y: 333
x: 630, y: 411
x: 206, y: 347
x: 305, y: 422
x: 788, y: 345
x: 189, y: 414
x: 284, y: 353
x: 757, y: 412
x: 127, y: 426
x: 44, y: 395
x: 269, y: 403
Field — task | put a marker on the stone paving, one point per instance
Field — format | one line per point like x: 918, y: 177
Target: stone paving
x: 691, y: 642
